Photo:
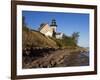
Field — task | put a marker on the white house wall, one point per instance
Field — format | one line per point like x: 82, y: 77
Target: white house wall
x: 46, y: 30
x: 48, y: 34
x: 59, y: 36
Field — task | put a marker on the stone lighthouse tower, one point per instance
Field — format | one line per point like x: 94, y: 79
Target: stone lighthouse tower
x: 53, y: 25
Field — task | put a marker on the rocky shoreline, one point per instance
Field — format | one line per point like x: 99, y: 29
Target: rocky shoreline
x: 55, y: 58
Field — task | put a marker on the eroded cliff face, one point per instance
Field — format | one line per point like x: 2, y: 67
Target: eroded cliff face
x: 36, y: 39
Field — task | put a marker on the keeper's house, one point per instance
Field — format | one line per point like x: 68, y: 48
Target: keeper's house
x: 50, y: 30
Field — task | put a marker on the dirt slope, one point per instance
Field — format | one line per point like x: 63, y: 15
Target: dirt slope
x: 36, y: 39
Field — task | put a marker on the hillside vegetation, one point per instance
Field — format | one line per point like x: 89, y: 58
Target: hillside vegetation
x: 65, y: 42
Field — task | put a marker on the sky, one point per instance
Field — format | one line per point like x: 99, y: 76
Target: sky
x: 66, y: 23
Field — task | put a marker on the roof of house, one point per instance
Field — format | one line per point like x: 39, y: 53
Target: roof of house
x: 42, y: 25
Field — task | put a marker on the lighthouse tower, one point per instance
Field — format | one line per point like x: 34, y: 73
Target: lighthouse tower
x: 53, y: 25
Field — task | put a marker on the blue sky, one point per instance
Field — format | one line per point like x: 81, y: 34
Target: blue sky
x: 67, y: 23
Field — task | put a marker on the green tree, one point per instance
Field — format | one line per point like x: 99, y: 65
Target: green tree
x: 75, y: 36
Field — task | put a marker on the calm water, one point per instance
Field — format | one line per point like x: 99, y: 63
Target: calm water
x: 81, y: 59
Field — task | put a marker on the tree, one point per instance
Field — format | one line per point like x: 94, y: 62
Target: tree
x: 75, y: 36
x: 23, y: 21
x: 24, y: 26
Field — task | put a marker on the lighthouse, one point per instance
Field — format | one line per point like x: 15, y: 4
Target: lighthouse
x: 53, y: 25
